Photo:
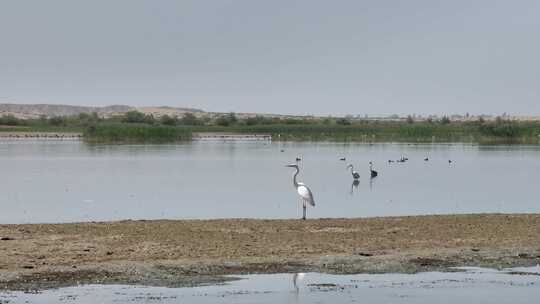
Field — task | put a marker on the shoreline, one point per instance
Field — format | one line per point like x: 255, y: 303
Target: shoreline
x: 179, y: 253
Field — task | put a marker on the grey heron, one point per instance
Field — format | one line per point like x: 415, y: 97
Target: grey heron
x: 373, y: 172
x: 305, y: 193
x: 354, y: 174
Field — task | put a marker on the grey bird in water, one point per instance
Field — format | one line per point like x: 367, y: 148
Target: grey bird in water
x: 373, y: 172
x: 305, y: 193
x: 354, y: 174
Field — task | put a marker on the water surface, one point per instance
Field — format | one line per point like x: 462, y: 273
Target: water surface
x: 476, y: 285
x: 67, y: 181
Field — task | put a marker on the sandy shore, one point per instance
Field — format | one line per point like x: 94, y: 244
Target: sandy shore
x: 186, y: 253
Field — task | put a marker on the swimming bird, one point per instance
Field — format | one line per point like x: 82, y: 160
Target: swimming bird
x: 354, y: 174
x: 449, y: 161
x: 305, y: 193
x: 402, y: 159
x: 343, y: 159
x: 373, y: 172
x: 298, y: 159
x: 426, y: 159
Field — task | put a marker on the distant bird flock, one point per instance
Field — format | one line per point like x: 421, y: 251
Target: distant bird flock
x: 305, y: 193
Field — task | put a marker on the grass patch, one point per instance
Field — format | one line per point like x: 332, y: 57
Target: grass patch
x: 392, y: 132
x: 139, y: 127
x: 126, y: 133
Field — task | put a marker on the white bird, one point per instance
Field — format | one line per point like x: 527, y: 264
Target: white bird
x: 355, y: 174
x: 305, y: 193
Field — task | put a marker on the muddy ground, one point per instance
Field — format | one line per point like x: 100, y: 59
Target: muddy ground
x: 193, y: 252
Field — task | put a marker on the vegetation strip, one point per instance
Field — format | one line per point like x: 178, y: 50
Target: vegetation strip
x: 134, y: 126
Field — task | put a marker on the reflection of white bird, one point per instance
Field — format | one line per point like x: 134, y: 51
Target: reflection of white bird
x: 355, y: 174
x: 303, y: 191
x: 297, y: 277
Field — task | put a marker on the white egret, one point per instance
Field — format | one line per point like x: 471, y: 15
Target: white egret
x: 305, y: 193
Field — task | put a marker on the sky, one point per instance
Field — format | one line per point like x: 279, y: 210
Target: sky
x: 375, y: 57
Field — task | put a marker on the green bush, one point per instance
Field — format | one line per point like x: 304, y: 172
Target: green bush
x: 501, y: 129
x: 168, y: 120
x: 135, y: 133
x: 10, y: 120
x: 189, y: 119
x: 58, y: 121
x: 138, y: 117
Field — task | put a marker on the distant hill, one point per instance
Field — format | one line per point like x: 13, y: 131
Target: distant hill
x: 49, y: 110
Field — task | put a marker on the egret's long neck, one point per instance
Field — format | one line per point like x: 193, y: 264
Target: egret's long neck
x: 295, y: 183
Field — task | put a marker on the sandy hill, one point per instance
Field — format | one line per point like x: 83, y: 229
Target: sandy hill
x: 49, y: 110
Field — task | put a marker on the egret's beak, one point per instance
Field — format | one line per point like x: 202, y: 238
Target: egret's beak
x: 290, y: 166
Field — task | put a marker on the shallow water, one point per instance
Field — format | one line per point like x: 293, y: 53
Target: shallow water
x: 66, y: 181
x: 474, y: 286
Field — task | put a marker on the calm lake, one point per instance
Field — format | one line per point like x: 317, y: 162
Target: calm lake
x: 476, y: 285
x: 68, y: 181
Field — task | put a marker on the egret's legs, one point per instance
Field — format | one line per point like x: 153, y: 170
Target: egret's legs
x: 304, y: 209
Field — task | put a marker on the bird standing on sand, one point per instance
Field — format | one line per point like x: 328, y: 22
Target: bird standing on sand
x: 354, y: 174
x: 373, y: 172
x: 305, y: 193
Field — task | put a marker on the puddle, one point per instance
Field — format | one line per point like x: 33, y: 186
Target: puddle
x: 473, y: 285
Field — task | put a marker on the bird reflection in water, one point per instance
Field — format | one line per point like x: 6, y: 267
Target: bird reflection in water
x: 354, y: 185
x: 371, y: 181
x: 297, y: 278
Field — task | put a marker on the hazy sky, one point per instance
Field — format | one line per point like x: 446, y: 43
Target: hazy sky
x: 279, y: 56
